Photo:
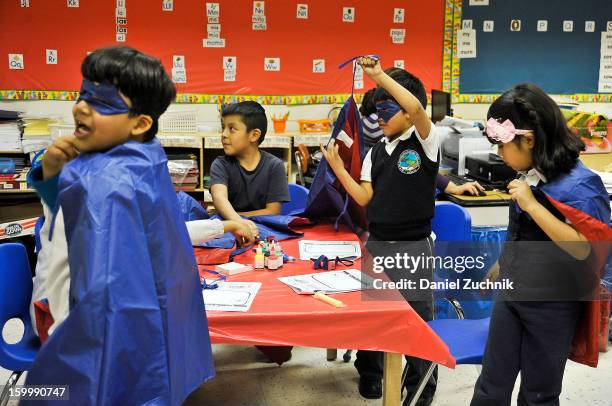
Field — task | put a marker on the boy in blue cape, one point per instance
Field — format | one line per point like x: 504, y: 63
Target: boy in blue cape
x: 136, y: 332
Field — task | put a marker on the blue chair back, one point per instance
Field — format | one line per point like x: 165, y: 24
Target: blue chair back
x: 298, y: 195
x: 15, y: 295
x: 451, y: 222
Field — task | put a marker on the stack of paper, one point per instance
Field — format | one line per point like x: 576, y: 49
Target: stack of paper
x: 233, y: 268
x: 10, y: 131
x: 10, y: 137
x: 36, y: 133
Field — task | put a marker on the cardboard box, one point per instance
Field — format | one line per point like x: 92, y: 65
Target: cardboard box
x: 18, y: 228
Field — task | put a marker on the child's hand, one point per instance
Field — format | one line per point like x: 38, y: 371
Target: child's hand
x: 243, y: 233
x: 472, y: 188
x: 251, y: 226
x: 62, y: 151
x: 332, y: 157
x: 371, y: 67
x: 521, y: 193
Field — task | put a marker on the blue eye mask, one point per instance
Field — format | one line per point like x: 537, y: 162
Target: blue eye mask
x: 103, y: 98
x: 387, y: 109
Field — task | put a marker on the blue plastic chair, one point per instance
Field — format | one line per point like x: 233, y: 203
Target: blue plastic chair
x: 466, y: 339
x: 298, y: 195
x: 15, y: 295
x: 451, y: 222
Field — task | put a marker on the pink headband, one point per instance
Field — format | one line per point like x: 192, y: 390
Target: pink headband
x: 504, y: 132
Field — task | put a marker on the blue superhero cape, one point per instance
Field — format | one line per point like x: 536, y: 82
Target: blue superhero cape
x: 582, y: 190
x: 582, y: 198
x: 190, y: 208
x: 137, y: 332
x: 327, y: 198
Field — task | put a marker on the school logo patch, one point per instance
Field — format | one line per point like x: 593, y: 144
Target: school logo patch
x: 409, y: 162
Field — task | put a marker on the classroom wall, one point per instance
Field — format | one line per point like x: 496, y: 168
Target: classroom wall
x: 209, y: 118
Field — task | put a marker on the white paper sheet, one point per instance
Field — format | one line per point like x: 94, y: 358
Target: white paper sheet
x: 331, y: 249
x: 347, y: 280
x: 231, y: 296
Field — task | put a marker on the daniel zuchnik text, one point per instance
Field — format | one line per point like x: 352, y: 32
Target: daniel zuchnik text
x: 466, y: 284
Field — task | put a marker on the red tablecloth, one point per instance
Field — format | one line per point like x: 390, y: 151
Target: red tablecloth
x: 279, y: 316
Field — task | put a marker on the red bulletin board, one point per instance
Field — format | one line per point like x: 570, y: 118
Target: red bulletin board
x: 72, y: 31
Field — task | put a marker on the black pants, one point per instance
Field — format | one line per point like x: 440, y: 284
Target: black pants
x: 533, y: 338
x: 370, y: 364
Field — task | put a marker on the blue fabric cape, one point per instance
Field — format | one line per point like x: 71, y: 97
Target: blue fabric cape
x: 327, y: 197
x: 191, y: 208
x: 137, y: 332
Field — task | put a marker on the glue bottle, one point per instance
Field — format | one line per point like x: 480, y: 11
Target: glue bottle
x: 273, y: 259
x: 279, y: 254
x: 259, y: 259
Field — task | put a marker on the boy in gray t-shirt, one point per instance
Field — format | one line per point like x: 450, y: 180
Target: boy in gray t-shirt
x: 246, y: 181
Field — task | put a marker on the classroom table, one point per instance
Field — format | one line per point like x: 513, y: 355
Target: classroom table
x: 279, y: 316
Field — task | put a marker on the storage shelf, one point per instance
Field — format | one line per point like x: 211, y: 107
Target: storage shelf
x: 213, y: 141
x: 180, y: 140
x: 17, y: 191
x: 311, y: 140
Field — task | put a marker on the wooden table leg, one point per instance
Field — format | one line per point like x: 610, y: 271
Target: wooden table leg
x: 392, y: 376
x: 332, y: 354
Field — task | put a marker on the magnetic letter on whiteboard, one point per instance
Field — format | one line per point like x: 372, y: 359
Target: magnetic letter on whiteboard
x: 589, y: 26
x: 542, y: 25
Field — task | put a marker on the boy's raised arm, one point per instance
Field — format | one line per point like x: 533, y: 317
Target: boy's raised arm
x: 409, y: 103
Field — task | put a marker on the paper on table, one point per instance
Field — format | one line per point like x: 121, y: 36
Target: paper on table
x: 348, y: 280
x: 231, y: 296
x: 331, y: 249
